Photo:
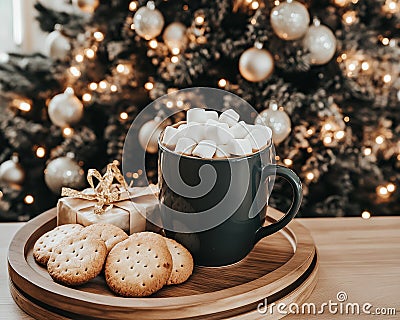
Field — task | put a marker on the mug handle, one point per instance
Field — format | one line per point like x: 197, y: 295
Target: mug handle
x: 294, y: 181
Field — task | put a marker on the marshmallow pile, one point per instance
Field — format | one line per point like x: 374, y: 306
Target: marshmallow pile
x: 207, y: 135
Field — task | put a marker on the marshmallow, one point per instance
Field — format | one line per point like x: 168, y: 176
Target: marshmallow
x: 170, y: 137
x: 217, y: 131
x: 196, y: 115
x: 259, y: 137
x: 240, y: 130
x: 182, y: 126
x: 205, y: 149
x: 195, y: 131
x: 185, y: 146
x: 222, y: 151
x: 239, y: 147
x: 230, y: 116
x: 212, y: 115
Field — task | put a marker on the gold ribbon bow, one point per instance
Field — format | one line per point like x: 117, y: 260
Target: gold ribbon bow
x: 105, y: 193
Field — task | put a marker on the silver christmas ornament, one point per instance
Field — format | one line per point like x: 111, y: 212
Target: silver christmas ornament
x: 148, y: 136
x: 148, y: 21
x: 11, y: 172
x: 63, y: 172
x: 56, y: 45
x: 277, y: 120
x: 88, y: 6
x: 175, y: 36
x: 320, y: 42
x: 65, y: 109
x: 256, y: 64
x: 290, y: 20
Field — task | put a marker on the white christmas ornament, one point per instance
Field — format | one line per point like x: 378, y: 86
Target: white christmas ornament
x: 88, y: 6
x: 65, y: 109
x: 63, y: 172
x: 56, y: 45
x: 175, y: 36
x: 148, y: 21
x: 11, y: 172
x: 320, y: 42
x: 290, y: 20
x: 256, y: 64
x: 277, y: 120
x: 148, y: 136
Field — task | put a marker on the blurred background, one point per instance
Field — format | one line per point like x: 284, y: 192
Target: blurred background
x: 324, y: 75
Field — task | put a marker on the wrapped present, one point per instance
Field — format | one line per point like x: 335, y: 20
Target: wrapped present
x: 118, y: 204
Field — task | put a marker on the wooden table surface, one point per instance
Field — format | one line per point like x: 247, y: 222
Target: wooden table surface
x: 358, y: 257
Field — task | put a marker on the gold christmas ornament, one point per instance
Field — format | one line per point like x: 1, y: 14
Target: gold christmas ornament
x: 11, y: 172
x: 256, y: 64
x: 175, y: 36
x: 63, y: 172
x: 148, y: 21
x: 320, y: 42
x: 56, y: 45
x: 277, y: 120
x: 148, y: 136
x: 88, y: 6
x: 65, y: 109
x: 290, y: 20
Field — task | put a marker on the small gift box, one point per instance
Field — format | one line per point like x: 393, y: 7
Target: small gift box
x: 118, y: 204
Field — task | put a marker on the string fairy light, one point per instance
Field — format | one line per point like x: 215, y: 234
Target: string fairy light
x: 149, y: 85
x: 86, y: 97
x: 103, y: 84
x: 67, y: 131
x: 390, y: 187
x: 288, y: 161
x: 175, y: 51
x: 366, y: 214
x: 379, y: 139
x: 367, y: 151
x: 24, y: 106
x: 391, y: 6
x: 40, y: 152
x: 133, y: 6
x: 222, y: 83
x: 89, y: 53
x: 174, y: 59
x: 199, y: 19
x: 153, y: 44
x: 79, y: 58
x: 113, y: 88
x: 93, y: 86
x: 99, y: 36
x: 255, y: 5
x: 387, y: 78
x: 29, y: 199
x: 350, y: 17
x: 123, y: 115
x: 310, y: 176
x: 75, y: 71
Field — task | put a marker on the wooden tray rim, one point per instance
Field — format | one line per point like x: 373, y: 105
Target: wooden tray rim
x: 32, y: 281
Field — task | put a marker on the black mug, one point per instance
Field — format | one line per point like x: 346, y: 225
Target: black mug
x: 234, y: 204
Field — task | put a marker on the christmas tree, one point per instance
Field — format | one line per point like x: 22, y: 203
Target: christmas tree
x: 323, y: 74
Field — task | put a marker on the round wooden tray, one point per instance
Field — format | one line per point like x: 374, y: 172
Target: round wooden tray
x: 281, y: 268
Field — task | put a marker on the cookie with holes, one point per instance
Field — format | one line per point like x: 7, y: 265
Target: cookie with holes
x: 138, y: 266
x: 182, y: 262
x: 76, y: 260
x: 45, y: 245
x: 110, y: 234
